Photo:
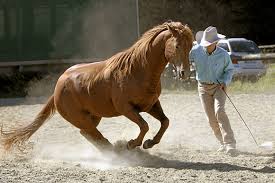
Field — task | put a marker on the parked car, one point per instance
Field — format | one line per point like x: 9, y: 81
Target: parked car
x: 237, y: 47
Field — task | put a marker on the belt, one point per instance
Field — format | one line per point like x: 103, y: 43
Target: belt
x: 206, y: 83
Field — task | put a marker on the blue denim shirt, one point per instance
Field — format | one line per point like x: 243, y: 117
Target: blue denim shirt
x: 210, y: 68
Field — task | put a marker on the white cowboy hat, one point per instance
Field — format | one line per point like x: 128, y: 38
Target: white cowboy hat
x: 208, y: 36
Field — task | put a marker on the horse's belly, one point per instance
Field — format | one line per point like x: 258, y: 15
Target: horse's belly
x: 146, y: 106
x: 100, y: 106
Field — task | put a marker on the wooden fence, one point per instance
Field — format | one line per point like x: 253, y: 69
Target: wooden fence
x: 41, y: 66
x: 267, y: 48
x: 266, y: 57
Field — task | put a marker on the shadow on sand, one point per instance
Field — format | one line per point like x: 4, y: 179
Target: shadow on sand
x: 158, y: 162
x: 139, y: 157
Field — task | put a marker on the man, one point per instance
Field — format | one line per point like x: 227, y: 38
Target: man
x: 214, y: 71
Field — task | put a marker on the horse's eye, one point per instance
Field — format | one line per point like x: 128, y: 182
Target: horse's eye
x: 176, y: 45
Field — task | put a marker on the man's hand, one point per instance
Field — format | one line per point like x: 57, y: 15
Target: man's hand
x: 222, y: 86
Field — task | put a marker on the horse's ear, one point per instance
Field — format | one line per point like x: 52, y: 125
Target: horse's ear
x: 172, y: 30
x: 186, y: 26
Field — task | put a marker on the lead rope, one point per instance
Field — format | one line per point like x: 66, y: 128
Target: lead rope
x: 239, y: 115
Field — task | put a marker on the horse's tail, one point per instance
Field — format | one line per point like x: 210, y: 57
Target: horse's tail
x: 17, y: 137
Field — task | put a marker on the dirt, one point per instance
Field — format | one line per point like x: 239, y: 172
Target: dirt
x: 186, y: 153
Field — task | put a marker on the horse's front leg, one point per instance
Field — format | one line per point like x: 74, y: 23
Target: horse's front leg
x: 134, y: 116
x: 157, y: 112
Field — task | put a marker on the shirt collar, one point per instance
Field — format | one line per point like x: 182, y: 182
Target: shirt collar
x: 213, y: 53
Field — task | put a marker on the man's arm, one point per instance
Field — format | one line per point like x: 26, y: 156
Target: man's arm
x: 191, y: 56
x: 228, y: 70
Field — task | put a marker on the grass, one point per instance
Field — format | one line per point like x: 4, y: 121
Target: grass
x: 265, y: 84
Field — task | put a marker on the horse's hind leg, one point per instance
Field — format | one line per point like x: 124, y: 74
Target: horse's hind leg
x: 94, y: 136
x: 97, y: 139
x: 157, y: 112
x: 87, y: 124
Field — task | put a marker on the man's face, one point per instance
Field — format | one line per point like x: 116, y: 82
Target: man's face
x: 211, y: 47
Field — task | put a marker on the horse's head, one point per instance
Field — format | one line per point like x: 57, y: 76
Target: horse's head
x: 177, y: 48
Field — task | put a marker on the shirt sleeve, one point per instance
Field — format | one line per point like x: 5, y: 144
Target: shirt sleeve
x: 228, y: 70
x: 191, y: 56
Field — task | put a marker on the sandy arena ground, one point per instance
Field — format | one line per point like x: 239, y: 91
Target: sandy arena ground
x: 187, y: 152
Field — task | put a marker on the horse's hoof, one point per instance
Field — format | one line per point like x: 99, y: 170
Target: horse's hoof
x: 148, y: 144
x: 131, y: 144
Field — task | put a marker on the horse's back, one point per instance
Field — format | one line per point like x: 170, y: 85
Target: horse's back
x: 80, y: 87
x: 94, y: 66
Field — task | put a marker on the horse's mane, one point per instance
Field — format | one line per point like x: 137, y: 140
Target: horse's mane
x: 121, y: 64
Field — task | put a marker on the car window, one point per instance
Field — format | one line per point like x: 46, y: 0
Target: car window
x: 244, y: 46
x: 224, y: 46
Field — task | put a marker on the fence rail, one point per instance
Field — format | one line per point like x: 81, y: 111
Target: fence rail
x: 40, y: 66
x: 48, y: 62
x: 267, y: 48
x: 266, y: 57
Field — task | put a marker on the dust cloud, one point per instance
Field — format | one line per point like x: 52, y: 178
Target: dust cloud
x: 97, y: 29
x: 94, y: 30
x: 87, y: 156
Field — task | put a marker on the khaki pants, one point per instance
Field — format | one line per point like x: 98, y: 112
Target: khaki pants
x: 213, y: 102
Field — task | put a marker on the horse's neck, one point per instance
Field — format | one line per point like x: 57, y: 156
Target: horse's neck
x: 155, y: 63
x: 155, y: 66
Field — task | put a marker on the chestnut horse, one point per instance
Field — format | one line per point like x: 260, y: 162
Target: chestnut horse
x: 125, y: 84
